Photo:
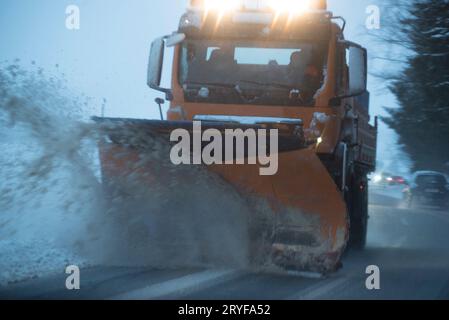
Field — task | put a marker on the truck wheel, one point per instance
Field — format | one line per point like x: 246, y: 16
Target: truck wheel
x: 358, y: 212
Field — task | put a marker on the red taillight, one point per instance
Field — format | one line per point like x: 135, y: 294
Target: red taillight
x: 399, y: 180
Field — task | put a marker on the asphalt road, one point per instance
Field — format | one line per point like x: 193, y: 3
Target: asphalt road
x: 410, y: 247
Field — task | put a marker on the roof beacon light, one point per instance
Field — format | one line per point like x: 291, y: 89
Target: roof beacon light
x: 279, y: 6
x: 220, y: 6
x: 290, y: 6
x: 296, y: 7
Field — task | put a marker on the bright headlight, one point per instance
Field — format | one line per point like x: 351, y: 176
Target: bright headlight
x: 290, y: 6
x: 222, y: 5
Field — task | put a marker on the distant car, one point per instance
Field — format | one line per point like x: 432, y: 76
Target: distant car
x: 397, y: 180
x: 380, y: 178
x: 387, y: 179
x: 427, y: 188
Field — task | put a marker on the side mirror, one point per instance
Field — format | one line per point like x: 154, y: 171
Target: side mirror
x: 357, y: 70
x: 155, y: 65
x: 353, y: 63
x: 175, y: 38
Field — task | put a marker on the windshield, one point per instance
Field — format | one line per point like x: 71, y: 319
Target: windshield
x: 280, y: 73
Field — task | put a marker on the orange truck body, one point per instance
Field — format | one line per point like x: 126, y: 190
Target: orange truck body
x: 311, y: 181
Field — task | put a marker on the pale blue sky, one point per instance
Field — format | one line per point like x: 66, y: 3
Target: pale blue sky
x: 107, y: 58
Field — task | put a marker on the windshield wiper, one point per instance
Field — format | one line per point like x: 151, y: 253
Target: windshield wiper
x: 269, y: 84
x: 211, y: 85
x: 236, y: 86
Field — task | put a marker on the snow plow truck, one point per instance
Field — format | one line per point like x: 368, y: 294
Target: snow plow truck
x: 282, y: 65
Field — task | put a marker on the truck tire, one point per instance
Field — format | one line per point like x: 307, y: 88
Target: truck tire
x: 358, y: 211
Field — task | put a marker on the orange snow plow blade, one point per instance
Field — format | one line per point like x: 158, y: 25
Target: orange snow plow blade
x: 308, y: 227
x: 311, y: 226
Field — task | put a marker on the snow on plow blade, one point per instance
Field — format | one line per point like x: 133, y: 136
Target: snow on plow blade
x: 291, y: 135
x: 307, y: 226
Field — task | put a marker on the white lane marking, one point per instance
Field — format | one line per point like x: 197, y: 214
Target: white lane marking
x: 441, y: 215
x: 303, y: 274
x: 188, y: 283
x: 319, y: 290
x: 400, y: 243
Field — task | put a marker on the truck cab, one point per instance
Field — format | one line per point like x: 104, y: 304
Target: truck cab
x: 270, y: 63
